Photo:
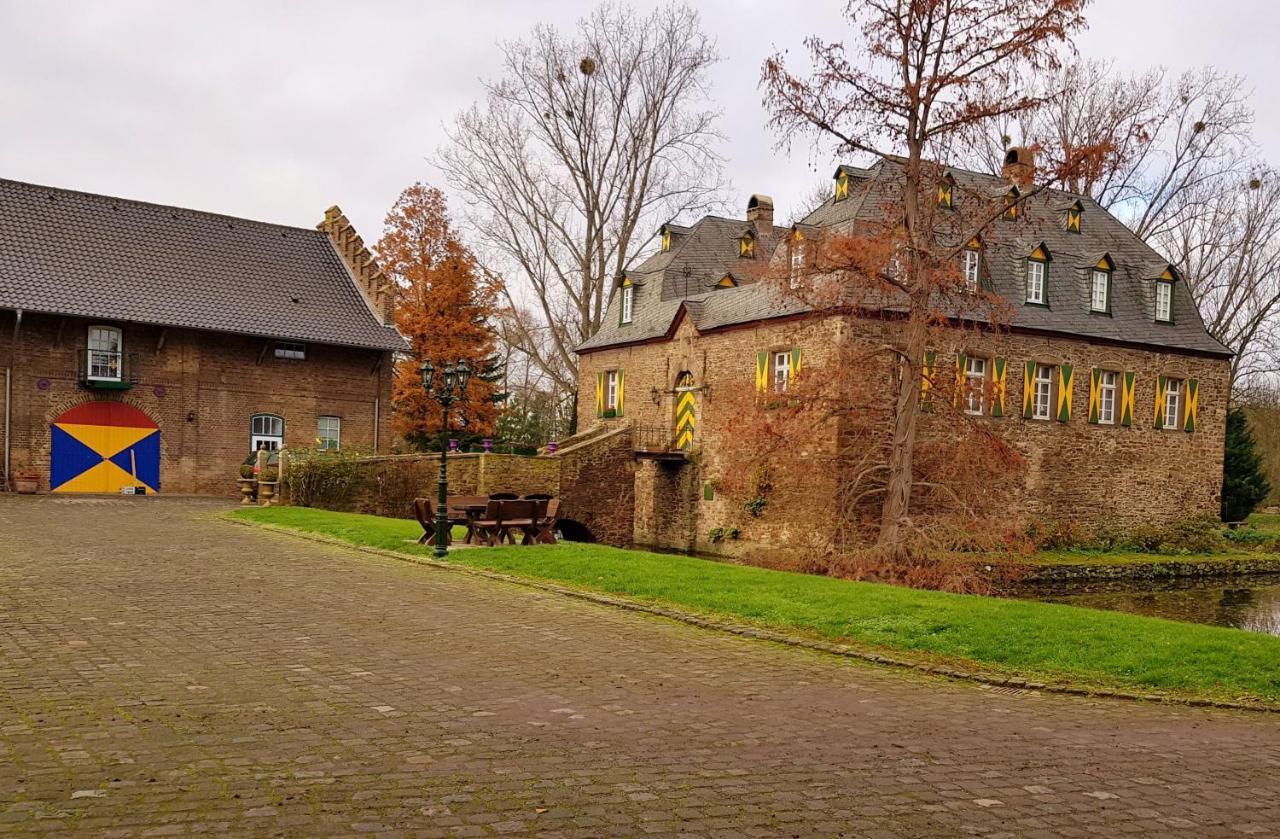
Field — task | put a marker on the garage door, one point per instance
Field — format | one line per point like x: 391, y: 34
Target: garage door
x: 104, y: 447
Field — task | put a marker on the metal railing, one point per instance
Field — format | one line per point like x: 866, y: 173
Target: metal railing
x: 106, y: 368
x: 654, y: 438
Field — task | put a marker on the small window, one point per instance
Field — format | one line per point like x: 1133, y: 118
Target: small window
x: 1100, y: 291
x: 666, y: 240
x: 1042, y: 396
x: 797, y: 261
x: 1173, y: 403
x: 747, y: 247
x: 842, y: 186
x: 946, y: 195
x: 1011, y: 212
x: 1164, y: 301
x: 291, y: 350
x: 329, y: 433
x: 1036, y: 273
x: 781, y: 370
x: 266, y: 431
x: 104, y: 354
x: 611, y: 390
x: 628, y: 302
x: 1108, y: 388
x: 970, y: 263
x: 975, y: 374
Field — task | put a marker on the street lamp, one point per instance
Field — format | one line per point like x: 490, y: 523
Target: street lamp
x: 449, y: 386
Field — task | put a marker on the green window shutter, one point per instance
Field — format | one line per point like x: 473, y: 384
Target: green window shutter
x: 1066, y: 380
x: 599, y: 394
x: 795, y: 361
x: 621, y: 391
x: 1095, y: 395
x: 1028, y: 390
x: 1193, y: 404
x: 762, y: 372
x: 1000, y: 365
x: 1160, y: 402
x: 1127, y: 391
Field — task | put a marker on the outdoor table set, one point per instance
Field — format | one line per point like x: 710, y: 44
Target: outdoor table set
x: 495, y: 519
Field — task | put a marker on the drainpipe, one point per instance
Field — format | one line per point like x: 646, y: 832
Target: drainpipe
x: 377, y: 420
x: 8, y: 397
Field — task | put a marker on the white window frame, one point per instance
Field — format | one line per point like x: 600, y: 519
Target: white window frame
x: 780, y: 367
x: 797, y: 265
x: 1037, y: 272
x: 330, y: 435
x: 1108, y: 391
x: 1164, y: 301
x: 263, y: 433
x: 1103, y: 277
x: 291, y: 350
x: 628, y: 302
x: 1172, y: 403
x: 971, y: 267
x: 975, y: 374
x: 1042, y: 396
x: 611, y: 390
x: 104, y: 361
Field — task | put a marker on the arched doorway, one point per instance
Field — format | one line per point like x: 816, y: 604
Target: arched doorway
x: 103, y: 447
x: 686, y: 417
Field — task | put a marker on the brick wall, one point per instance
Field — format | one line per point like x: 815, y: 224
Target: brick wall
x: 1076, y: 471
x: 597, y: 487
x: 201, y: 389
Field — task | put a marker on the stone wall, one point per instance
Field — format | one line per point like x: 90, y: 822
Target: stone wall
x: 597, y: 487
x: 201, y: 388
x: 389, y: 484
x: 1075, y: 471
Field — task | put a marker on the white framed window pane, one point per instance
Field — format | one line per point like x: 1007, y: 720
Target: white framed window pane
x: 1098, y: 301
x: 628, y: 299
x: 797, y: 265
x: 611, y: 390
x: 781, y: 370
x: 1035, y: 282
x: 1164, y: 301
x: 1172, y: 403
x: 971, y: 270
x: 1043, y: 402
x: 975, y: 380
x: 329, y: 432
x: 104, y: 353
x: 1107, y: 399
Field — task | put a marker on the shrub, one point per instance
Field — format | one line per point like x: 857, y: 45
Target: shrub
x: 1244, y: 485
x: 269, y: 474
x: 325, y: 479
x: 246, y: 471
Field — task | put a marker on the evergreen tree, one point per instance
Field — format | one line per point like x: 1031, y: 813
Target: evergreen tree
x: 1243, y: 483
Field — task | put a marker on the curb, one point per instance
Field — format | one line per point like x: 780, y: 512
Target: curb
x: 758, y: 633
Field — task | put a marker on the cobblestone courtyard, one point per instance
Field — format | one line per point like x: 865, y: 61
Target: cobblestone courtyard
x: 163, y: 672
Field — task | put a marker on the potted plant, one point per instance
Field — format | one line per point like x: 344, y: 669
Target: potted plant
x: 247, y: 483
x: 268, y: 478
x: 26, y: 481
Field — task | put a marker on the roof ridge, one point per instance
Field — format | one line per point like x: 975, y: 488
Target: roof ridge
x: 100, y: 196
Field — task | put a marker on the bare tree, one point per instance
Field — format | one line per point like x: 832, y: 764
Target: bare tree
x: 582, y: 148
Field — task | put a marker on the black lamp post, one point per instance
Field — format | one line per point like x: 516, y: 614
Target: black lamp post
x: 449, y: 387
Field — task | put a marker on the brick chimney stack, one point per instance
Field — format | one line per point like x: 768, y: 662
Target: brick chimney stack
x: 1019, y: 167
x: 760, y: 213
x: 378, y: 290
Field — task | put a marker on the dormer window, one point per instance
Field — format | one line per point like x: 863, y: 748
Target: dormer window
x: 971, y: 266
x: 1164, y: 298
x: 842, y: 185
x: 627, y: 307
x: 666, y: 239
x: 1011, y: 198
x: 1100, y: 286
x: 727, y: 281
x: 797, y: 260
x: 1038, y: 277
x: 1074, y: 214
x: 946, y: 194
x: 747, y: 246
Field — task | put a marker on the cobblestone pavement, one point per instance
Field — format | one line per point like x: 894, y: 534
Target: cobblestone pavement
x: 165, y: 673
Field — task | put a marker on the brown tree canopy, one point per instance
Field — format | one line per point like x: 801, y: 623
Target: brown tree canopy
x: 443, y: 308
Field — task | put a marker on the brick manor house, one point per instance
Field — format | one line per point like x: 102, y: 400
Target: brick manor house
x: 151, y: 348
x: 1105, y: 379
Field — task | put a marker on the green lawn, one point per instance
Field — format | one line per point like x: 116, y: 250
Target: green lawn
x: 1040, y: 641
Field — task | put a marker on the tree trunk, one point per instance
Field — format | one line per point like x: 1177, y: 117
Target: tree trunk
x: 897, y: 499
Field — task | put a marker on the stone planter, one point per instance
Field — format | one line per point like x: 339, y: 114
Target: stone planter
x: 267, y: 493
x: 26, y: 483
x: 247, y: 486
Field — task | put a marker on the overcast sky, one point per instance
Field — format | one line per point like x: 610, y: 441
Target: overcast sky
x: 276, y: 110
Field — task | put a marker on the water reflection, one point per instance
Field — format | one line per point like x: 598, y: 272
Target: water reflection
x: 1249, y: 603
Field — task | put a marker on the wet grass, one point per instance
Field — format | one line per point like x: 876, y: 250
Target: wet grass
x: 1039, y: 641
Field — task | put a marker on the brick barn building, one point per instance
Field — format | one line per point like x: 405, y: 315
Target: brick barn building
x: 155, y: 347
x: 1105, y: 379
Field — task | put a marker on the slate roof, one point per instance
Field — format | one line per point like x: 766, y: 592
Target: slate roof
x: 1006, y: 244
x: 93, y: 256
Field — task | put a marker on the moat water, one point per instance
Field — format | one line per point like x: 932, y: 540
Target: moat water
x: 1251, y: 603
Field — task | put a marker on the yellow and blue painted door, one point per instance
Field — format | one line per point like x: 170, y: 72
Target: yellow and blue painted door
x: 686, y: 412
x: 103, y: 447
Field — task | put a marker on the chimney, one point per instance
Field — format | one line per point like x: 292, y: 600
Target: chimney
x: 377, y: 289
x: 760, y: 213
x: 1019, y: 167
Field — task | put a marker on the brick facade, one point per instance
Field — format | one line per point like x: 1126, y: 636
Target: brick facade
x: 1076, y: 471
x: 201, y: 388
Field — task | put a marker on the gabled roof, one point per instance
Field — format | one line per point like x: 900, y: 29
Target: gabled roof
x: 93, y: 256
x: 701, y: 255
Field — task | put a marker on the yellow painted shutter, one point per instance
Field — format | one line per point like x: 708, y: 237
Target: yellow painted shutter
x: 926, y: 377
x: 1001, y: 366
x: 1028, y: 390
x: 1193, y: 404
x: 795, y: 361
x: 1066, y: 378
x: 762, y: 372
x: 621, y: 391
x: 600, y: 394
x: 958, y: 393
x: 1160, y: 402
x: 1127, y: 401
x: 1095, y: 395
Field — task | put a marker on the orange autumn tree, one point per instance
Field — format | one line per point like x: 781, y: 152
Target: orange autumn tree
x: 443, y: 307
x: 916, y: 78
